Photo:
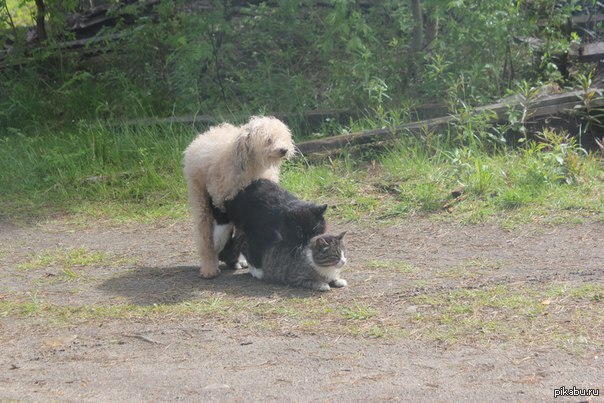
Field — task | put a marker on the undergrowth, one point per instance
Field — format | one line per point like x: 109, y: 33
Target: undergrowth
x: 288, y: 56
x: 126, y: 173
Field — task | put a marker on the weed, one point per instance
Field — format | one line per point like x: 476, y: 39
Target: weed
x: 4, y: 253
x: 68, y: 259
x: 358, y: 311
x: 510, y: 199
x: 513, y: 314
x: 590, y: 114
x: 473, y: 128
x: 480, y: 178
x: 391, y: 265
x: 70, y: 274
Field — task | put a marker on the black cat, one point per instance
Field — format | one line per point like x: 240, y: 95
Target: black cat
x: 265, y: 214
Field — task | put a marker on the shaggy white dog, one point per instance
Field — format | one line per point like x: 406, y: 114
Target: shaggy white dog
x: 221, y: 162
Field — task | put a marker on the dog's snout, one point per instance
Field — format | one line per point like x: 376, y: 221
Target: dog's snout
x: 283, y: 151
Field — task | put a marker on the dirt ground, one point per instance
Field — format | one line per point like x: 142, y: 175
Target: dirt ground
x: 377, y: 339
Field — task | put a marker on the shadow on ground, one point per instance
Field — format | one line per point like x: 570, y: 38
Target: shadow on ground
x: 173, y: 285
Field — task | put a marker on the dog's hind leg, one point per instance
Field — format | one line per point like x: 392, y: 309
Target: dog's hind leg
x: 204, y: 231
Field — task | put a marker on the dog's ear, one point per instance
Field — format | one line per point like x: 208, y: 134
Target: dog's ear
x: 242, y: 150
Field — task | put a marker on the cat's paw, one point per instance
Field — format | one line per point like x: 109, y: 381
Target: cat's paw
x: 257, y: 273
x: 242, y: 263
x: 322, y: 287
x: 339, y: 283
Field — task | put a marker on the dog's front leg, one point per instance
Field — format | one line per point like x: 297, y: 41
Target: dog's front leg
x: 204, y: 234
x: 205, y: 245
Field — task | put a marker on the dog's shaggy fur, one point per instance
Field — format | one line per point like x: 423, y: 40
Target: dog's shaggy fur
x: 265, y: 214
x: 221, y: 162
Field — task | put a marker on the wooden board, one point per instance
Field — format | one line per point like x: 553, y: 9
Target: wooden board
x: 588, y: 52
x: 539, y: 109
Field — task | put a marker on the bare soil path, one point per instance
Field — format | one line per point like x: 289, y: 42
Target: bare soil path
x: 434, y: 311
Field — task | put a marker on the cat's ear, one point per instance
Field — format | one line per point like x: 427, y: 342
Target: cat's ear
x: 321, y: 243
x: 320, y: 210
x: 341, y: 236
x: 277, y: 236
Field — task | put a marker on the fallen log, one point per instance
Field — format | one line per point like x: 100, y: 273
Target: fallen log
x: 355, y: 139
x: 588, y: 52
x: 538, y: 109
x: 586, y: 19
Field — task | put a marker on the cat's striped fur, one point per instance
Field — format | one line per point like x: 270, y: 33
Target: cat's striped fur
x: 315, y: 265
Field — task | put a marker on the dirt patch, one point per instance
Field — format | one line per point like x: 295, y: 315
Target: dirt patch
x: 433, y: 310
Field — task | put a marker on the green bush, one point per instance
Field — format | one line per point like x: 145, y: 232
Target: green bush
x: 287, y: 56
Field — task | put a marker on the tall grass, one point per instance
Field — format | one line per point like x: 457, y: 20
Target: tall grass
x: 110, y: 168
x: 545, y: 180
x: 135, y: 173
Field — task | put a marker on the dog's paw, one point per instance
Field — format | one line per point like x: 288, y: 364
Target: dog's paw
x: 208, y: 274
x: 339, y: 283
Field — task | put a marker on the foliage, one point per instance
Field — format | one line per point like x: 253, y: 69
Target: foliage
x: 286, y: 56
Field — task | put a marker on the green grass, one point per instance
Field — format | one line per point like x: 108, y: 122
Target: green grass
x: 391, y: 266
x: 71, y: 263
x: 96, y: 171
x: 126, y: 174
x: 358, y: 311
x: 66, y: 259
x: 561, y: 314
x: 306, y: 314
x: 4, y: 253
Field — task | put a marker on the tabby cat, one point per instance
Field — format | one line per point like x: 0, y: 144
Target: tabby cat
x: 315, y: 265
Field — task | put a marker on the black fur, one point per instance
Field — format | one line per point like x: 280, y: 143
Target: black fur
x: 220, y: 216
x: 237, y: 245
x: 266, y: 213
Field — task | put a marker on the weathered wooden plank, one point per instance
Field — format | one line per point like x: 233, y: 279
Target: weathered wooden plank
x: 588, y: 52
x: 587, y: 18
x: 360, y: 138
x: 538, y: 109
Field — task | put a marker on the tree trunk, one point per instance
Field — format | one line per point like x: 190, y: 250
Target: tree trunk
x: 40, y: 16
x: 431, y: 27
x: 417, y: 41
